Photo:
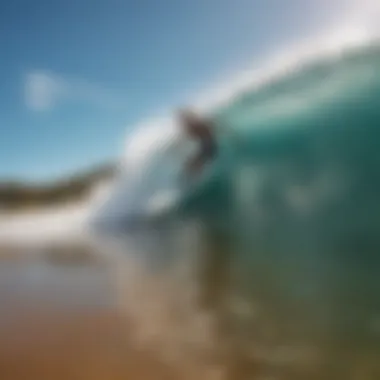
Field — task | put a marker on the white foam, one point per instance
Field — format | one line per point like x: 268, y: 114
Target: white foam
x: 50, y: 225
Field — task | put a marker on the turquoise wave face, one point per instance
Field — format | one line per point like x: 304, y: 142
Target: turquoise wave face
x: 316, y: 124
x: 319, y: 121
x: 300, y: 202
x: 289, y: 228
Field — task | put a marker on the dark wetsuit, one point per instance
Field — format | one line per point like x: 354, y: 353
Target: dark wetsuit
x: 201, y: 131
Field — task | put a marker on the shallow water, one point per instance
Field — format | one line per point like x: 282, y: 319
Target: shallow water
x: 61, y: 321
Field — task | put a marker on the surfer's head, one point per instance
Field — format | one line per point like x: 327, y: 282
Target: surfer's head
x: 187, y: 116
x: 187, y: 119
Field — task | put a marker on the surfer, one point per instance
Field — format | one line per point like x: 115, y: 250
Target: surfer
x: 201, y: 130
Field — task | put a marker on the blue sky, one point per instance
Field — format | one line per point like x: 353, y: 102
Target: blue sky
x: 77, y: 75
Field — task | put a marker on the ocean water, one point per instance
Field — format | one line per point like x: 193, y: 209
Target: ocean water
x: 271, y: 268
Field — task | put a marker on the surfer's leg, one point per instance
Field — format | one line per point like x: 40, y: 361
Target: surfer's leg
x: 207, y: 153
x: 209, y: 149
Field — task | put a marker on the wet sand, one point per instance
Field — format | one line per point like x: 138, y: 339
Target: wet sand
x: 60, y: 322
x: 64, y: 316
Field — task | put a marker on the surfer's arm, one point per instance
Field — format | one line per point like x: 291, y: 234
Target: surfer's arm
x: 206, y: 153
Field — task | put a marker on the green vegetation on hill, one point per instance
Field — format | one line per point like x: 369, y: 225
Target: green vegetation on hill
x: 18, y: 195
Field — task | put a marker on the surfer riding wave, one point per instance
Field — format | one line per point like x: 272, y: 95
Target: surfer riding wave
x: 200, y: 129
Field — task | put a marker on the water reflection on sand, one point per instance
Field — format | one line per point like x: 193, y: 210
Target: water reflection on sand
x: 59, y: 320
x: 170, y: 303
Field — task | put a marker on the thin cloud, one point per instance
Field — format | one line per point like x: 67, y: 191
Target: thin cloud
x: 42, y: 91
x: 45, y: 90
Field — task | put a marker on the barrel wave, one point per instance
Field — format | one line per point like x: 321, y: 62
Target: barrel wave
x: 305, y: 130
